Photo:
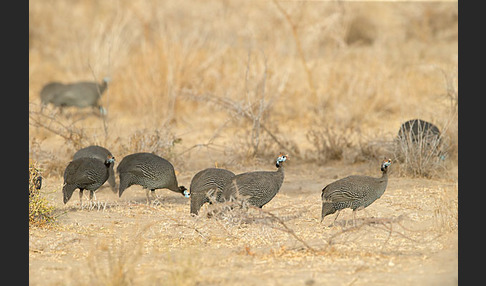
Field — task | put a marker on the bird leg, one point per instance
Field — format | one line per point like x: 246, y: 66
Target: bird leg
x: 152, y: 192
x: 333, y: 222
x: 354, y: 214
x: 91, y: 193
x: 147, y: 194
x: 81, y: 198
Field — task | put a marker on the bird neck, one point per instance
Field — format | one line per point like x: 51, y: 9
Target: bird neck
x: 280, y: 171
x: 384, y: 177
x: 103, y: 86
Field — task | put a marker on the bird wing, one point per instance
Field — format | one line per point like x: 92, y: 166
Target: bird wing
x: 82, y: 179
x: 338, y: 195
x: 87, y: 179
x: 339, y: 191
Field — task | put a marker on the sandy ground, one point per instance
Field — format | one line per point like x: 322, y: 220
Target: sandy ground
x: 407, y: 237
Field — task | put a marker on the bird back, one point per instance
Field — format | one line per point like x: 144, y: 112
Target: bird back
x: 147, y: 170
x: 355, y: 191
x: 210, y: 179
x: 100, y: 153
x: 417, y: 130
x: 257, y: 187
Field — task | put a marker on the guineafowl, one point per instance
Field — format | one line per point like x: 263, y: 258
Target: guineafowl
x: 149, y: 171
x: 417, y: 130
x: 417, y: 137
x: 79, y: 94
x: 50, y: 92
x: 85, y: 174
x: 205, y: 184
x: 257, y: 188
x: 355, y: 192
x: 99, y: 153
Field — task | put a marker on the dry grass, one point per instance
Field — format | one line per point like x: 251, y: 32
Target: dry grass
x: 257, y: 67
x: 131, y: 243
x: 40, y: 210
x: 232, y: 83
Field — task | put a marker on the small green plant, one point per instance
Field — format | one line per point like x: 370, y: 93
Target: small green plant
x: 40, y: 212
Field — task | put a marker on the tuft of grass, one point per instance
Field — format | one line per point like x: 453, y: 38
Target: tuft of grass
x: 420, y: 156
x: 40, y: 211
x: 157, y: 141
x: 113, y: 263
x: 329, y: 145
x: 446, y: 210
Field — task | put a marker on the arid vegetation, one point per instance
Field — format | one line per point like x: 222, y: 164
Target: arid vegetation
x: 232, y: 84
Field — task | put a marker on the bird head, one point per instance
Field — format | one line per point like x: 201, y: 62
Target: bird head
x: 109, y: 160
x: 281, y: 158
x: 184, y: 191
x: 385, y: 164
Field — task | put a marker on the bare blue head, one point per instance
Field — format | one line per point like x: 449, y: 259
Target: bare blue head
x: 280, y: 159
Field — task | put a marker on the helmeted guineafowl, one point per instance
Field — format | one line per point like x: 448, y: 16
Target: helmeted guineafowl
x: 50, y: 92
x: 418, y: 129
x: 79, y: 94
x: 85, y: 174
x: 258, y: 187
x: 355, y: 192
x: 417, y: 137
x: 207, y: 183
x: 149, y: 171
x: 100, y: 153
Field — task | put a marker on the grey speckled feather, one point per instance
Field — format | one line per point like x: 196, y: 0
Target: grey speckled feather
x: 84, y: 174
x: 149, y: 171
x: 417, y: 130
x: 78, y: 94
x: 257, y: 188
x: 101, y: 154
x: 210, y: 179
x: 353, y: 192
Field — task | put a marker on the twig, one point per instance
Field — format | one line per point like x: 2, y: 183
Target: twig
x: 285, y: 228
x: 103, y: 115
x: 69, y: 132
x: 235, y: 108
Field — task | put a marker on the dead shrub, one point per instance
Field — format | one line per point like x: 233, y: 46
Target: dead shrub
x: 62, y: 125
x: 158, y: 141
x: 420, y: 156
x: 329, y: 144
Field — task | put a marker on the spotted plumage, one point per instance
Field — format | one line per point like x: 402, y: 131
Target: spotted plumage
x: 149, y: 171
x: 101, y: 154
x: 257, y: 188
x: 85, y: 174
x: 78, y: 94
x: 355, y: 192
x: 208, y: 183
